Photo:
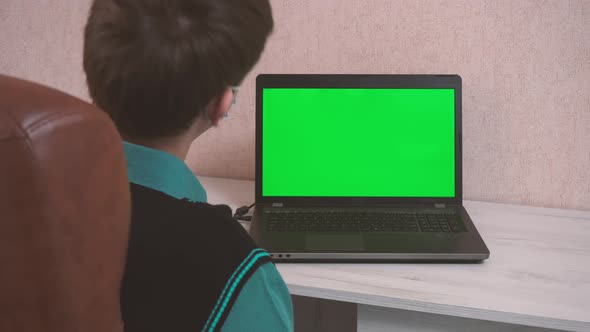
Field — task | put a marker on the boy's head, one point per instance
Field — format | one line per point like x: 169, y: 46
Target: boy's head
x: 157, y: 65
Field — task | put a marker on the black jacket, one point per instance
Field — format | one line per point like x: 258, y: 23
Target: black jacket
x: 181, y: 256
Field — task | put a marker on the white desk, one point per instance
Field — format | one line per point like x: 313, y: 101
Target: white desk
x: 538, y: 274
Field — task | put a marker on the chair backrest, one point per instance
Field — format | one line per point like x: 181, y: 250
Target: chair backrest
x: 64, y: 212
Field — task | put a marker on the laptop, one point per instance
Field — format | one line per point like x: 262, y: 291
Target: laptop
x: 361, y: 168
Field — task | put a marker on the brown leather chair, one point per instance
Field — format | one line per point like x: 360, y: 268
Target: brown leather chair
x: 64, y: 212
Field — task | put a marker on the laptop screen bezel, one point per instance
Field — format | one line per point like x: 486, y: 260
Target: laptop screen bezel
x: 359, y: 81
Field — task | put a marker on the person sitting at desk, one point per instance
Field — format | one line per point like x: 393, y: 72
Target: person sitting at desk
x: 165, y: 71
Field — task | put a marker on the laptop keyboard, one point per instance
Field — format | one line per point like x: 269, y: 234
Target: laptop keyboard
x: 330, y: 221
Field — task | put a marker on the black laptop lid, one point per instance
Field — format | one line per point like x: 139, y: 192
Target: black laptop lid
x: 358, y: 139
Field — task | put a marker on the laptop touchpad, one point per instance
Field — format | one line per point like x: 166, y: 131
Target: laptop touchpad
x: 334, y: 242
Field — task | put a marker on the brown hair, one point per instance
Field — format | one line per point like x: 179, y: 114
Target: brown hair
x: 154, y: 65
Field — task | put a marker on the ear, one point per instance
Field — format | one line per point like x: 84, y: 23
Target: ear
x: 220, y: 106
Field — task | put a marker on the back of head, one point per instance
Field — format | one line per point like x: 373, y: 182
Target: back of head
x: 154, y: 65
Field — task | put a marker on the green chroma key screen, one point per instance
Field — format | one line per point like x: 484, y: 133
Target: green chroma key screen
x: 358, y: 142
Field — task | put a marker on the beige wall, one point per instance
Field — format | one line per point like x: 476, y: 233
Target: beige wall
x: 525, y: 68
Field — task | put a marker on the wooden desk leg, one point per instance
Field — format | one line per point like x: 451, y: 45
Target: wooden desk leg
x: 318, y: 315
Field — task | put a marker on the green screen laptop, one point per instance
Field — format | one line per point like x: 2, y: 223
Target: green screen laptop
x: 361, y: 168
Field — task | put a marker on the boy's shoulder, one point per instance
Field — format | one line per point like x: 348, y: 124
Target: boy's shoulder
x: 186, y: 262
x: 161, y: 215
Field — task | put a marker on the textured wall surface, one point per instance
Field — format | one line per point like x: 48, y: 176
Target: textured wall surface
x: 41, y: 40
x: 525, y: 68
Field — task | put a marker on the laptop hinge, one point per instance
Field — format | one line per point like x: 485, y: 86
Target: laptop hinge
x: 440, y: 206
x: 277, y: 204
